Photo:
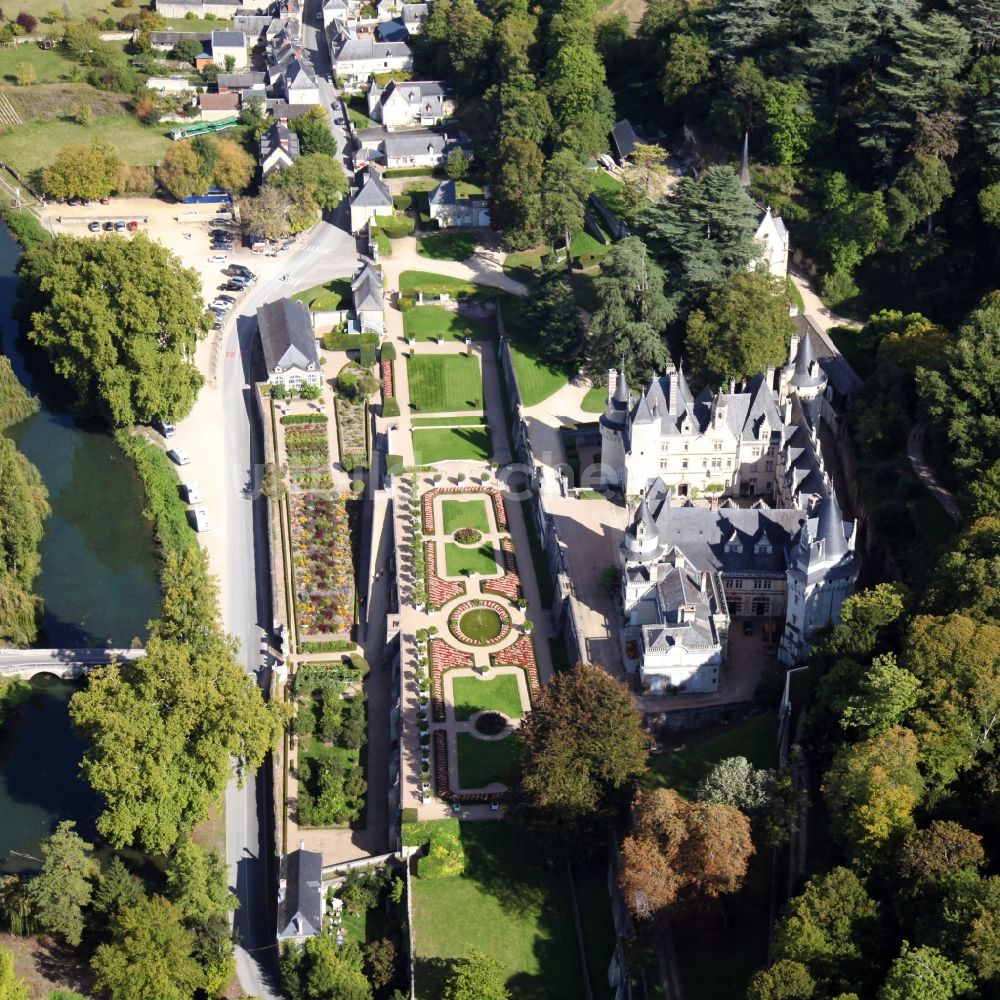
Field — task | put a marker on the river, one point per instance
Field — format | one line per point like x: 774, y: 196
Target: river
x: 99, y: 582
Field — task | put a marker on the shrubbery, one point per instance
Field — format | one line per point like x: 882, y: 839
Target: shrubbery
x: 443, y: 839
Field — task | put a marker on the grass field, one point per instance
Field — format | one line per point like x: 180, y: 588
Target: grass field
x: 433, y: 284
x: 454, y: 444
x: 447, y: 246
x: 36, y: 144
x: 584, y: 243
x: 50, y: 65
x: 535, y: 377
x: 481, y: 762
x: 444, y: 384
x: 430, y: 322
x: 469, y: 421
x: 459, y: 559
x: 524, y: 265
x: 595, y: 400
x: 509, y: 904
x: 464, y: 514
x: 498, y: 694
x: 755, y: 739
x: 327, y: 296
x: 79, y: 10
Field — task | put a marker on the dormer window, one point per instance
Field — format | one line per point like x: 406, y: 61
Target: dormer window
x: 734, y: 546
x: 762, y: 548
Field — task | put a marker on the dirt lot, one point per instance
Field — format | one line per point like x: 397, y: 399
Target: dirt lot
x: 45, y: 966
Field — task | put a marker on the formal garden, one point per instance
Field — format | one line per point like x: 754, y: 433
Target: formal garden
x: 329, y: 729
x: 431, y: 322
x: 451, y: 444
x: 353, y: 387
x: 444, y: 383
x: 307, y: 453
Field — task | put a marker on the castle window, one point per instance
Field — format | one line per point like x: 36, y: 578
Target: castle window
x: 768, y: 465
x: 664, y: 462
x: 717, y: 445
x: 665, y: 447
x: 684, y: 464
x: 763, y: 547
x: 685, y: 446
x: 716, y: 463
x: 734, y: 547
x: 729, y: 463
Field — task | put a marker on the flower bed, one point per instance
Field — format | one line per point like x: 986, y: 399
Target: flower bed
x: 307, y: 454
x: 388, y: 379
x: 443, y: 659
x: 508, y: 585
x: 499, y: 510
x: 520, y: 654
x: 324, y: 569
x: 468, y: 536
x: 439, y: 592
x: 352, y: 433
x: 459, y: 613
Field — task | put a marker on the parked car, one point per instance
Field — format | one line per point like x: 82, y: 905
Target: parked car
x: 226, y: 298
x: 179, y: 456
x: 191, y: 491
x: 167, y: 430
x: 199, y: 518
x: 221, y: 222
x: 119, y: 227
x: 108, y: 226
x: 105, y: 201
x: 132, y: 225
x: 73, y: 202
x: 94, y: 227
x: 218, y: 258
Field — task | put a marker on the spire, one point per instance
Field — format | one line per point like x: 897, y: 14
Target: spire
x: 745, y: 163
x: 806, y: 370
x: 621, y: 386
x: 683, y: 389
x: 830, y: 528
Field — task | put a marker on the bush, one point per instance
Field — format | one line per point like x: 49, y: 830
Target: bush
x: 409, y: 815
x: 367, y: 355
x: 445, y: 853
x: 347, y: 384
x: 388, y: 352
x: 406, y: 303
x: 360, y: 664
x: 27, y: 21
x: 357, y: 487
x: 390, y: 407
x: 328, y: 646
x: 310, y: 392
x: 26, y: 228
x: 304, y: 418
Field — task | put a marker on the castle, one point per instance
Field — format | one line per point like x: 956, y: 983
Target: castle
x: 687, y: 570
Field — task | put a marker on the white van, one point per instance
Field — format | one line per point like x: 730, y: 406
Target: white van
x: 192, y: 492
x: 199, y: 517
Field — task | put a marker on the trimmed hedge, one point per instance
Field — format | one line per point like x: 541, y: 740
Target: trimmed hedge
x: 348, y: 341
x: 390, y: 407
x: 413, y: 172
x: 304, y: 418
x: 393, y: 226
x: 164, y: 506
x: 329, y: 646
x: 367, y: 358
x: 388, y: 352
x: 394, y: 464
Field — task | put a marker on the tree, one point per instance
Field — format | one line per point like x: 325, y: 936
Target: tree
x: 62, y: 889
x: 852, y: 225
x: 681, y: 850
x: 744, y: 329
x: 925, y: 974
x: 789, y: 118
x: 313, y: 183
x: 959, y: 394
x: 117, y: 890
x: 871, y: 791
x: 119, y: 318
x: 884, y: 696
x: 956, y: 662
x: 703, y: 232
x: 254, y: 115
x: 943, y: 848
x: 25, y: 75
x: 27, y: 21
x: 234, y: 166
x: 515, y: 195
x: 554, y: 316
x: 198, y: 884
x: 324, y: 970
x: 864, y: 618
x: 230, y: 63
x: 985, y: 491
x: 266, y: 215
x: 785, y: 980
x: 381, y: 962
x: 736, y: 782
x: 313, y: 130
x: 583, y: 750
x: 476, y: 976
x: 686, y: 66
x: 632, y: 311
x: 165, y: 733
x: 832, y: 929
x: 457, y: 166
x: 565, y: 187
x: 738, y: 26
x: 966, y: 577
x: 11, y: 988
x: 182, y: 172
x: 186, y: 50
x: 189, y: 612
x: 646, y: 164
x: 150, y: 954
x: 80, y: 171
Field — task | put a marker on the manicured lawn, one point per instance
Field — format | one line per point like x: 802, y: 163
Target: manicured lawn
x: 447, y: 246
x: 459, y: 559
x: 79, y: 10
x: 524, y: 264
x: 451, y: 444
x: 596, y: 400
x: 535, y: 377
x: 794, y: 294
x: 444, y: 383
x: 481, y: 762
x: 36, y: 143
x: 433, y: 284
x: 425, y: 323
x: 481, y: 624
x: 328, y: 296
x: 584, y: 243
x: 756, y: 739
x: 464, y: 514
x: 469, y: 421
x: 609, y: 189
x: 198, y: 24
x: 357, y: 111
x: 499, y: 694
x: 50, y: 65
x: 507, y: 903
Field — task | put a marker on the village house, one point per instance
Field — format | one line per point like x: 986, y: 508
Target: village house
x: 355, y: 59
x: 279, y: 148
x: 289, y: 344
x: 300, y: 896
x: 366, y: 296
x: 449, y: 211
x: 412, y: 103
x: 229, y: 44
x: 371, y: 197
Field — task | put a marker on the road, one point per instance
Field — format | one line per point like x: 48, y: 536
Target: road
x: 327, y: 251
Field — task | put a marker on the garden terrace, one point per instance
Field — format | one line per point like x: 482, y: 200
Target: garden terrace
x: 352, y: 423
x: 486, y: 762
x: 508, y: 585
x: 307, y: 454
x: 451, y: 444
x: 497, y: 694
x: 458, y: 514
x: 427, y: 502
x: 431, y: 322
x: 520, y: 653
x: 444, y: 383
x: 480, y: 623
x: 460, y: 560
x: 323, y: 564
x: 443, y: 658
x: 439, y: 592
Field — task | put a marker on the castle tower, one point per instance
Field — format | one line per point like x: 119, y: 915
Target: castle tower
x: 805, y: 378
x: 614, y: 429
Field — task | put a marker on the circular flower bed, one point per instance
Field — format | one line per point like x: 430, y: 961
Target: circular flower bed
x: 490, y: 723
x: 468, y: 536
x: 479, y: 623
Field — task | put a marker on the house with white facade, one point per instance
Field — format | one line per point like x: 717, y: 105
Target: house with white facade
x: 409, y: 104
x: 299, y: 83
x: 230, y: 44
x: 279, y: 148
x: 289, y: 344
x: 301, y: 901
x: 355, y: 59
x: 449, y: 211
x: 367, y: 291
x: 414, y: 15
x: 771, y: 232
x: 371, y: 197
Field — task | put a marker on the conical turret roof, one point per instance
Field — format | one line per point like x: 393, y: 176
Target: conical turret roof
x: 745, y: 163
x: 807, y: 371
x: 830, y: 528
x: 621, y: 388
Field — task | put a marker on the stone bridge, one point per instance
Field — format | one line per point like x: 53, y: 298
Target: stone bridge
x: 64, y: 663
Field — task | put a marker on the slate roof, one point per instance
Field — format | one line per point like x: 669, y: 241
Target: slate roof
x: 681, y: 586
x: 373, y: 192
x: 415, y: 12
x: 229, y: 39
x: 252, y: 25
x: 286, y: 335
x: 299, y: 75
x: 240, y: 81
x: 276, y: 136
x: 624, y: 138
x: 359, y: 49
x: 397, y: 144
x: 300, y: 908
x: 171, y: 38
x: 391, y: 31
x: 366, y: 290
